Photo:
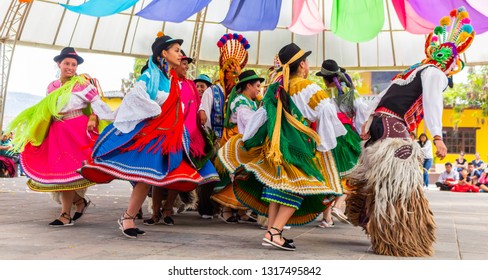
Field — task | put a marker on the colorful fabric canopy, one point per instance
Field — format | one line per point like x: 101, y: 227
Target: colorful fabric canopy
x: 252, y: 15
x: 434, y: 10
x: 306, y: 18
x: 410, y: 20
x: 172, y: 10
x: 480, y: 6
x: 351, y: 20
x: 101, y: 8
x: 357, y: 20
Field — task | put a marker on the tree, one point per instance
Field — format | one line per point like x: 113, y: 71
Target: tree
x: 128, y: 83
x: 470, y: 94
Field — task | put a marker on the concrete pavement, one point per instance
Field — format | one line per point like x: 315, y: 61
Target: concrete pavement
x: 462, y: 222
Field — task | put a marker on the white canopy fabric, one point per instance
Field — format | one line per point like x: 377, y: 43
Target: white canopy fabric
x: 49, y: 25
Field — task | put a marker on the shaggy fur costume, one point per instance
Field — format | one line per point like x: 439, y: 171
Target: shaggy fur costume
x: 387, y: 199
x: 183, y: 201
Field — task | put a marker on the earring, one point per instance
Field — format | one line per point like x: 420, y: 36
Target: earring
x: 164, y: 65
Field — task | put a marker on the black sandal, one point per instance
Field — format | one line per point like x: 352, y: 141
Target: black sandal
x: 167, y: 220
x: 86, y: 203
x: 130, y: 232
x: 231, y: 220
x: 155, y: 219
x: 287, y: 245
x: 249, y: 220
x: 59, y: 223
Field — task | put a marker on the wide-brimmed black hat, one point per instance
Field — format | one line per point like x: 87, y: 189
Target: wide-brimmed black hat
x: 162, y: 43
x: 328, y: 66
x: 68, y: 52
x: 289, y: 51
x: 189, y: 59
x: 247, y: 76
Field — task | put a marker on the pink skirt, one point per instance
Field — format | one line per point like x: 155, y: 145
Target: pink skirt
x: 52, y: 166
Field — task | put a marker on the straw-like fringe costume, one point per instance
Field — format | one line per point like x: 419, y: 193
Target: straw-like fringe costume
x: 388, y: 199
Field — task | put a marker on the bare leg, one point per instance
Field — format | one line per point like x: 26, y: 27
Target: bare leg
x: 272, y: 213
x: 139, y: 194
x: 66, y: 203
x: 78, y: 202
x: 170, y: 201
x: 339, y: 201
x: 157, y: 198
x: 283, y: 214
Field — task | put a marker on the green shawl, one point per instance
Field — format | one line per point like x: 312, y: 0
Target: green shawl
x: 32, y: 125
x: 296, y: 147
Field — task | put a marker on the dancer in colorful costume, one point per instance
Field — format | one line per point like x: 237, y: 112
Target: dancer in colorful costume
x: 233, y: 57
x: 283, y: 169
x: 240, y: 107
x: 55, y: 136
x: 200, y: 153
x: 348, y: 148
x: 147, y: 143
x: 387, y: 198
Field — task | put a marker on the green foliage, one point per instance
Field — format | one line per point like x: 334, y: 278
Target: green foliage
x: 212, y: 70
x: 128, y: 83
x: 471, y: 94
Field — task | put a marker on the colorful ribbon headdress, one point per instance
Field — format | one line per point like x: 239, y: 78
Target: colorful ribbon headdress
x: 451, y: 38
x: 233, y: 55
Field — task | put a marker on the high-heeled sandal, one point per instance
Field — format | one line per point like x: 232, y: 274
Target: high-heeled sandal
x: 287, y: 245
x: 59, y: 223
x: 86, y: 203
x: 130, y: 232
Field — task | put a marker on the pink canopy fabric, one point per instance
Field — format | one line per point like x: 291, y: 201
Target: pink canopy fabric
x: 410, y: 20
x: 306, y: 18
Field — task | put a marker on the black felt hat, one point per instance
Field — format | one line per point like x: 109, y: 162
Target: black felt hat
x: 68, y: 52
x: 162, y: 43
x: 189, y: 59
x: 329, y: 65
x: 247, y: 76
x: 289, y: 51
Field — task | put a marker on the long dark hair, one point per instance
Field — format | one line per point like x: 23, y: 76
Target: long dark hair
x: 426, y: 139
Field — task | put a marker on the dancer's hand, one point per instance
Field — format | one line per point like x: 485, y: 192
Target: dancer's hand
x: 441, y: 149
x: 202, y: 117
x: 364, y: 135
x: 92, y: 123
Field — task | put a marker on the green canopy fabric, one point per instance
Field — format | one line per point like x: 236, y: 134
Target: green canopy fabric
x: 357, y: 20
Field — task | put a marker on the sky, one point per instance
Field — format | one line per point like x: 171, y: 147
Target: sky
x: 34, y: 68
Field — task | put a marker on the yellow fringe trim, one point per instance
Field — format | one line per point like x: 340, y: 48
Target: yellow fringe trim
x: 76, y: 185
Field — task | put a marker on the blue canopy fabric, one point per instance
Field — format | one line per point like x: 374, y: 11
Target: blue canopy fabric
x: 101, y: 8
x: 172, y: 10
x: 252, y: 15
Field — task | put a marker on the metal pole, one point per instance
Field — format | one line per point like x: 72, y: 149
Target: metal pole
x: 9, y: 33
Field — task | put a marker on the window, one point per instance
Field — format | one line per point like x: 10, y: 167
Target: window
x: 462, y: 139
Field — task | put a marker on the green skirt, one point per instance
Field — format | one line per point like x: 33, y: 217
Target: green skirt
x: 347, y: 151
